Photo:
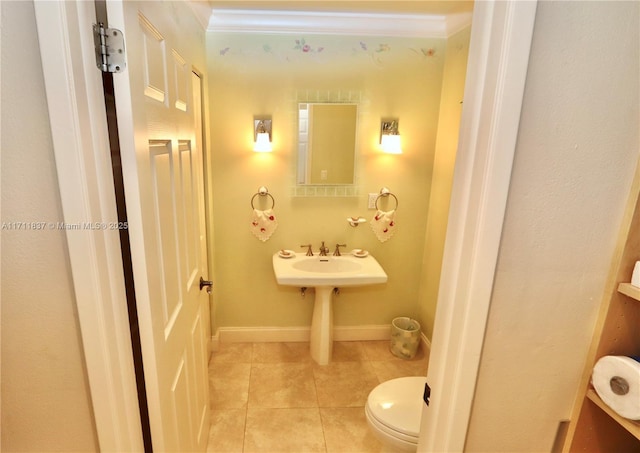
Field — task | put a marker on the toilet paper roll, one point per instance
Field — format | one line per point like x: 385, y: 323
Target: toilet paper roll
x: 616, y: 380
x: 635, y: 276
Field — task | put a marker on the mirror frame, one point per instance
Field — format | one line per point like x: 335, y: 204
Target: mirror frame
x: 316, y: 96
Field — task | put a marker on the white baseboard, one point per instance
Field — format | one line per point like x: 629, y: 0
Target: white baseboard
x: 426, y: 343
x: 301, y: 334
x: 263, y: 334
x: 214, y: 344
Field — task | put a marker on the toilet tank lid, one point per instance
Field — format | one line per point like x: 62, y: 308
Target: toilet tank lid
x: 398, y: 404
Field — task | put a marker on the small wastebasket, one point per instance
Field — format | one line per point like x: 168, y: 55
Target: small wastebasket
x: 405, y: 337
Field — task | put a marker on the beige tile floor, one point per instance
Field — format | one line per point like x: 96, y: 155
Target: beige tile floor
x: 272, y: 397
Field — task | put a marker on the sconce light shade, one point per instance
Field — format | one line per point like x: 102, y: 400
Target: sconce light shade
x: 262, y: 135
x: 390, y: 137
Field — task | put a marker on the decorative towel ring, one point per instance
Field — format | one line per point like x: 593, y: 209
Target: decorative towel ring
x: 384, y: 192
x: 263, y: 192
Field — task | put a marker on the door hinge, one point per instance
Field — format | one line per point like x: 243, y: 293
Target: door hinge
x: 109, y: 46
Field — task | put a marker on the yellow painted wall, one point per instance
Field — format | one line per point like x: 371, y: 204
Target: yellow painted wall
x: 266, y: 75
x: 455, y: 70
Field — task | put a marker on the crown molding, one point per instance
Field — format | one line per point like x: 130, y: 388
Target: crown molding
x: 322, y: 23
x: 201, y: 11
x: 458, y: 22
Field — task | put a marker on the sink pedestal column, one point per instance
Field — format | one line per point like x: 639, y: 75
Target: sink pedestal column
x: 322, y: 326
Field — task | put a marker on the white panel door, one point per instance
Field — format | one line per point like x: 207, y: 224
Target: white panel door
x: 162, y: 167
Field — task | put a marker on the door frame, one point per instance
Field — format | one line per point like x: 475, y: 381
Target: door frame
x: 75, y: 100
x: 501, y: 36
x: 498, y: 60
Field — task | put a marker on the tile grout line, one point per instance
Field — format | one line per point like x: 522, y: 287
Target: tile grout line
x: 246, y: 408
x: 315, y: 386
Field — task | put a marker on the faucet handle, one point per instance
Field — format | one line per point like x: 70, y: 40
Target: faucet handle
x: 337, y: 251
x: 309, y: 250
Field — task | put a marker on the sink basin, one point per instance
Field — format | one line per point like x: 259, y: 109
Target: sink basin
x: 335, y: 271
x: 325, y: 273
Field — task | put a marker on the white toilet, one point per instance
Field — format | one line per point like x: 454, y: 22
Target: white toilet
x: 393, y: 412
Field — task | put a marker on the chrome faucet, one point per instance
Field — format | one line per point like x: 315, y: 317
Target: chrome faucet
x: 337, y: 251
x: 323, y: 249
x: 309, y: 251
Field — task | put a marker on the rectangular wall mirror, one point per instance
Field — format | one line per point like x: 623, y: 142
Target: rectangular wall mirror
x: 327, y: 134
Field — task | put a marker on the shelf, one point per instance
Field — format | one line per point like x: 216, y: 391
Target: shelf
x: 629, y: 290
x: 632, y: 426
x: 594, y: 426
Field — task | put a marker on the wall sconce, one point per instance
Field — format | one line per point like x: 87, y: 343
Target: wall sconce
x: 390, y: 137
x: 262, y: 135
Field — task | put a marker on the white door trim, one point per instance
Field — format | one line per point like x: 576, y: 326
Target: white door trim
x: 81, y: 144
x: 501, y: 39
x: 498, y: 59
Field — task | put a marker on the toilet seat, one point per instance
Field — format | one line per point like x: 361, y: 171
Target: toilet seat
x: 395, y: 407
x: 397, y: 436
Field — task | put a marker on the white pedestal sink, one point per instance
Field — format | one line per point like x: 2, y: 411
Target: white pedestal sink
x: 325, y: 273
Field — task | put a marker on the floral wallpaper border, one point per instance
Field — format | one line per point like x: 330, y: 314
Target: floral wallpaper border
x: 309, y: 46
